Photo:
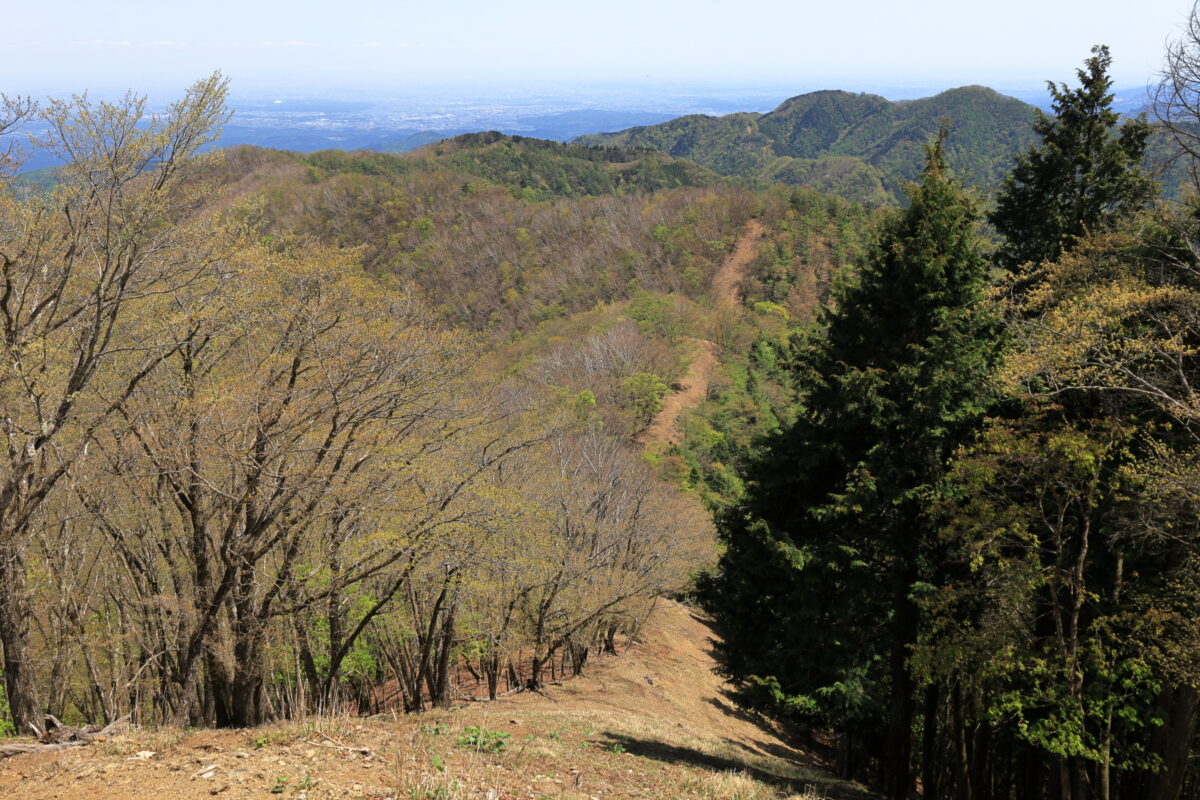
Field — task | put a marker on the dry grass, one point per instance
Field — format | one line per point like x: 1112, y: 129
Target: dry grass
x: 738, y: 786
x: 651, y: 724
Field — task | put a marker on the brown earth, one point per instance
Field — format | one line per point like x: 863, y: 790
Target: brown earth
x: 694, y: 386
x: 651, y: 723
x: 728, y: 280
x: 692, y: 390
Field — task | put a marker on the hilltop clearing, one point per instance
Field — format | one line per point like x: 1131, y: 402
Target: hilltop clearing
x: 653, y: 722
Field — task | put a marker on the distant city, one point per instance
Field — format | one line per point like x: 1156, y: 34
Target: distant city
x: 295, y: 121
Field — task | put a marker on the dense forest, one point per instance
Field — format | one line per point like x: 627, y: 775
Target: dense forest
x: 297, y: 433
x: 253, y: 470
x: 991, y: 462
x: 346, y: 432
x: 859, y: 146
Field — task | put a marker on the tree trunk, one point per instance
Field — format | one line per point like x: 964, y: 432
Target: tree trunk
x: 318, y: 690
x: 535, y: 674
x: 220, y: 691
x: 491, y: 673
x: 247, y: 689
x: 981, y: 757
x: 15, y: 614
x: 929, y: 748
x: 1171, y: 741
x: 897, y: 769
x: 961, y: 761
x: 248, y: 632
x: 440, y: 694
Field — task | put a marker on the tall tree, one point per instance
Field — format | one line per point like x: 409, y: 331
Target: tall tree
x: 75, y: 268
x: 1083, y: 176
x: 815, y: 589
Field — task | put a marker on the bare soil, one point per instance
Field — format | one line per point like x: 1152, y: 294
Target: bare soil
x: 728, y: 280
x: 691, y: 392
x: 693, y: 388
x: 651, y: 723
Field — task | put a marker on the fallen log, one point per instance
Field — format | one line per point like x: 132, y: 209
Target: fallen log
x: 57, y: 736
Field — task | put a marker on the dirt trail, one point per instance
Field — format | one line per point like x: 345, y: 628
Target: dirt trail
x: 692, y: 389
x: 653, y: 723
x: 694, y: 386
x: 737, y: 264
x: 669, y: 678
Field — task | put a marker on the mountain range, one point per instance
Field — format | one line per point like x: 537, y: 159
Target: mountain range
x: 861, y: 146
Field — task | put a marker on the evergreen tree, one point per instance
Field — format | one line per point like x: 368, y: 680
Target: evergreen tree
x: 815, y: 592
x: 1083, y: 176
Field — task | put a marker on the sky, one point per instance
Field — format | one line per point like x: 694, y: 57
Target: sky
x: 371, y: 45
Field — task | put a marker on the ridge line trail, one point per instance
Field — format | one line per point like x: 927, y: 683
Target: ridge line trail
x: 694, y: 386
x: 661, y: 701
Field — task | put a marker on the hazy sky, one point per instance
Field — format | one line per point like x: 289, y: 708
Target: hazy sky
x: 63, y: 45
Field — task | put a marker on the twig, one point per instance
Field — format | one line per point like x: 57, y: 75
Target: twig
x: 366, y: 751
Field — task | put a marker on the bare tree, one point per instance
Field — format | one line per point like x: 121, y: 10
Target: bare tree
x: 1177, y: 96
x: 73, y: 268
x: 13, y: 112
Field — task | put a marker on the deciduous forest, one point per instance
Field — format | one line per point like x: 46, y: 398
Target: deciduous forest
x: 345, y: 433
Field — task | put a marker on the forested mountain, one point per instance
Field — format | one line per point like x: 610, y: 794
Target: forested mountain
x: 352, y: 431
x: 375, y: 415
x: 860, y: 146
x: 972, y: 550
x: 502, y: 233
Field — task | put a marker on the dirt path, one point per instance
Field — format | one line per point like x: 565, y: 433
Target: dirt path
x: 668, y: 678
x: 653, y: 723
x: 694, y: 386
x: 737, y: 264
x: 692, y: 389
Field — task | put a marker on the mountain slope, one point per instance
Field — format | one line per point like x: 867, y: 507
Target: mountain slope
x: 652, y: 723
x: 861, y: 146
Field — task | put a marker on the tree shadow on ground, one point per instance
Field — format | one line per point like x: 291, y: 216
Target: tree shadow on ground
x: 797, y: 782
x: 793, y: 748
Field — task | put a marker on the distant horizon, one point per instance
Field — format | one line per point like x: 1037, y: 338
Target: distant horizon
x: 463, y: 46
x: 311, y: 119
x: 600, y: 95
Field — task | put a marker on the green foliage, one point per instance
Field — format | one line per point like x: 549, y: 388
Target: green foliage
x: 34, y: 182
x: 1028, y: 523
x: 645, y: 393
x: 859, y: 146
x: 835, y: 519
x: 6, y: 726
x: 537, y: 169
x: 359, y: 162
x: 656, y: 314
x: 1082, y: 176
x: 476, y: 737
x: 502, y: 233
x: 816, y: 238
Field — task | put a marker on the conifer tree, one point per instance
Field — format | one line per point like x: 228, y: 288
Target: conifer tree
x: 815, y: 592
x: 1084, y: 175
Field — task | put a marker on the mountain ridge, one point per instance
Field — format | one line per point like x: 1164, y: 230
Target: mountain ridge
x: 879, y: 142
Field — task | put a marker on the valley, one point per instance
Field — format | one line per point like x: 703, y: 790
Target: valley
x: 714, y: 456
